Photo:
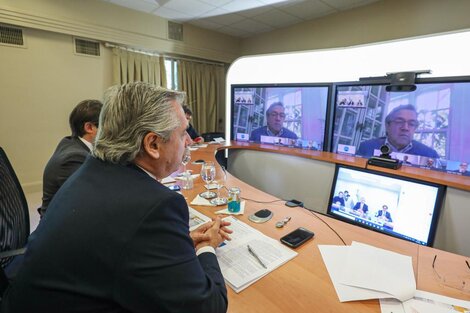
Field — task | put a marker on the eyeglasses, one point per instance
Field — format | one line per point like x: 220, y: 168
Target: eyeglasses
x: 275, y: 115
x: 401, y: 122
x: 453, y: 281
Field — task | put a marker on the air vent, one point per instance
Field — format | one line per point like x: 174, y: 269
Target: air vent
x: 87, y: 47
x: 11, y: 36
x: 175, y: 31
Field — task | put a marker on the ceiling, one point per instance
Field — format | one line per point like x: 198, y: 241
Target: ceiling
x: 241, y: 18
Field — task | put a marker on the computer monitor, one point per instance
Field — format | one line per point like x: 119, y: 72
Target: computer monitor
x: 425, y: 128
x: 397, y: 206
x: 292, y: 115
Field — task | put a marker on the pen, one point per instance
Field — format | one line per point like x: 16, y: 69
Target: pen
x: 252, y: 252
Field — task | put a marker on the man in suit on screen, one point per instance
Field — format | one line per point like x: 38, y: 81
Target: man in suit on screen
x: 275, y: 117
x: 71, y: 150
x: 400, y: 126
x: 115, y: 239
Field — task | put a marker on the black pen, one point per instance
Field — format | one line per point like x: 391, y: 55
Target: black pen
x: 252, y: 252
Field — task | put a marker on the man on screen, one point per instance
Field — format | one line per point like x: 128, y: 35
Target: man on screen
x: 385, y: 217
x: 400, y: 126
x: 361, y: 208
x: 275, y: 117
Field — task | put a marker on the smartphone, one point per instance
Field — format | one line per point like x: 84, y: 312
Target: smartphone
x: 174, y: 187
x: 297, y: 237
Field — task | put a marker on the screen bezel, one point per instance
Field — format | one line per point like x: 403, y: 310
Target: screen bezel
x: 328, y: 125
x: 437, y: 204
x: 374, y: 81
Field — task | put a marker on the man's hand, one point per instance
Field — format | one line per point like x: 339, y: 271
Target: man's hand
x: 216, y: 233
x: 199, y: 234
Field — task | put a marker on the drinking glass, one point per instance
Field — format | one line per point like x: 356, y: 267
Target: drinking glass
x: 186, y: 159
x: 208, y: 176
x: 220, y: 183
x: 187, y: 183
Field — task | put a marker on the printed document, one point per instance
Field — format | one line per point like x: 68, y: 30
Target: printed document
x: 239, y: 267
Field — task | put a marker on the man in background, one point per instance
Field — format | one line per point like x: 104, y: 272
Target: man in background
x: 275, y: 117
x: 400, y: 126
x: 361, y: 208
x: 114, y: 238
x: 191, y: 130
x: 71, y: 150
x: 385, y: 217
x: 463, y: 169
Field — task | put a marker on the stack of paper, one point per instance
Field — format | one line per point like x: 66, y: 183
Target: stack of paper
x: 361, y: 272
x: 239, y: 267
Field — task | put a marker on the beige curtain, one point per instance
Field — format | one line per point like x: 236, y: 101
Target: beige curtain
x: 203, y: 84
x: 131, y: 66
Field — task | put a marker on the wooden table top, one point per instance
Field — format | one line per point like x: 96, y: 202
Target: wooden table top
x: 303, y: 284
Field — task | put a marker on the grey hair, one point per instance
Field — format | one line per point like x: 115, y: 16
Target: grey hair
x: 390, y: 115
x: 130, y: 112
x: 275, y: 104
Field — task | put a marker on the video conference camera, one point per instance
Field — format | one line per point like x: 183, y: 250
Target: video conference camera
x: 385, y: 160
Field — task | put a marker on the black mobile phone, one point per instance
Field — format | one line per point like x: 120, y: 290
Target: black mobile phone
x: 174, y: 187
x: 293, y: 203
x: 297, y: 237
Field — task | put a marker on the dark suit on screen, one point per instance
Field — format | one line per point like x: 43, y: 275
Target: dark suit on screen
x: 357, y: 206
x: 115, y: 240
x: 366, y: 148
x: 69, y: 155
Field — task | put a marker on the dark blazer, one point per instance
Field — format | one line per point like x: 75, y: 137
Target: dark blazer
x: 192, y: 132
x: 366, y: 148
x: 387, y: 215
x: 263, y: 131
x: 357, y: 206
x: 115, y: 240
x: 69, y: 155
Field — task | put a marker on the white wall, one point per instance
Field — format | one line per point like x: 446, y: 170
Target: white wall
x: 42, y: 82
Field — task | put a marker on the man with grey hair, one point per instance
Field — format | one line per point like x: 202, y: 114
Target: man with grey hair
x: 400, y: 126
x: 114, y: 238
x: 275, y: 117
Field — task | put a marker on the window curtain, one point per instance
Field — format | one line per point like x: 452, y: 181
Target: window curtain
x: 204, y: 86
x: 131, y: 66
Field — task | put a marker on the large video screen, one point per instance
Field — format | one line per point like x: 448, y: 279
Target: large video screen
x: 287, y: 115
x: 401, y: 207
x: 425, y: 128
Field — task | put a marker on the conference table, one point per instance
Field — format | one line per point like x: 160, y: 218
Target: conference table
x: 303, y: 284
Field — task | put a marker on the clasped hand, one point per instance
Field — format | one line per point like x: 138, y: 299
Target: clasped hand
x: 211, y: 234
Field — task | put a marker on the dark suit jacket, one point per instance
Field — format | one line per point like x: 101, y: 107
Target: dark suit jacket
x: 387, y: 215
x: 115, y: 240
x: 69, y: 155
x: 366, y: 148
x: 357, y: 206
x: 192, y: 132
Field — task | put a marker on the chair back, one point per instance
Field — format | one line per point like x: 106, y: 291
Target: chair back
x: 14, y: 214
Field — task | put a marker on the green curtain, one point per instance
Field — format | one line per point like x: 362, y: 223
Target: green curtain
x: 131, y: 66
x: 204, y: 86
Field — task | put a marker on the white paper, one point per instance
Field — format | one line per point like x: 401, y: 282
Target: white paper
x: 226, y: 211
x: 198, y: 200
x: 194, y: 176
x: 334, y: 258
x: 391, y: 306
x: 239, y: 267
x: 378, y: 269
x: 168, y: 180
x: 196, y: 219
